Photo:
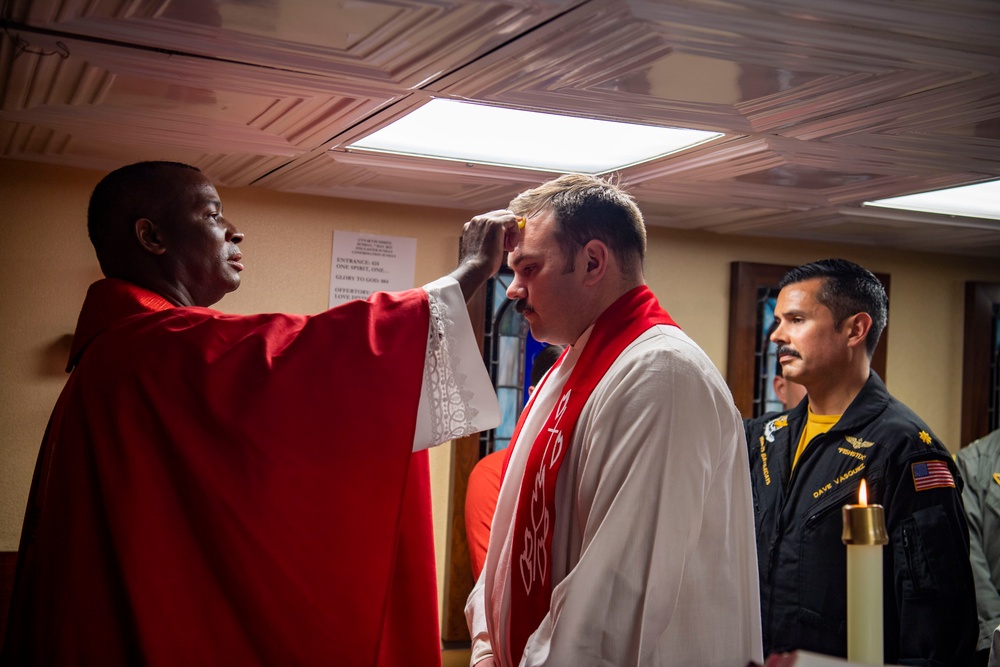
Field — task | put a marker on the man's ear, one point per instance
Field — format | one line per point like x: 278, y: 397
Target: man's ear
x: 779, y: 388
x: 148, y: 235
x: 596, y: 254
x: 858, y: 326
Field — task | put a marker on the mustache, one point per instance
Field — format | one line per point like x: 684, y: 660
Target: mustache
x: 782, y: 351
x: 521, y: 306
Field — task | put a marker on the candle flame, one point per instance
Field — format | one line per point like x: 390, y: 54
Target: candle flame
x: 863, y: 494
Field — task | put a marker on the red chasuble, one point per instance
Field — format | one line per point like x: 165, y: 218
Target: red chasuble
x: 229, y: 490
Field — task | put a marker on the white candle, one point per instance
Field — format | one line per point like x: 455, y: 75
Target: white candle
x: 864, y: 534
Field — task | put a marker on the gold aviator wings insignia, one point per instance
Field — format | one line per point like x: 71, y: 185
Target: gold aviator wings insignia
x: 858, y: 443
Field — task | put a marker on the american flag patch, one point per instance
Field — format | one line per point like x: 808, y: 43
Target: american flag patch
x: 931, y: 475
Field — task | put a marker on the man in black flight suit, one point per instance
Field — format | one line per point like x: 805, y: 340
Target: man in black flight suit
x: 808, y: 462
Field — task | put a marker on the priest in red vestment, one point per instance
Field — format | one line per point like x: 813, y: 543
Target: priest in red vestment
x: 242, y: 490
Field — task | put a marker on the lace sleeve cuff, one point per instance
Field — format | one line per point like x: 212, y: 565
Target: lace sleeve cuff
x: 457, y: 397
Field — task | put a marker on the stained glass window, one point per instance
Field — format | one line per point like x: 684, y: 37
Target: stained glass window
x: 765, y: 355
x: 508, y: 349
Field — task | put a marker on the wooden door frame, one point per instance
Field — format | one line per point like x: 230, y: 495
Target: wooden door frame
x: 458, y: 579
x: 980, y: 301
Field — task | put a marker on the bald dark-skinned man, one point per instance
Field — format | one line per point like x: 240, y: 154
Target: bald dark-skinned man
x: 218, y: 489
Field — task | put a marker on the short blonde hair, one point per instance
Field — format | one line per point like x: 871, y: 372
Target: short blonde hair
x: 586, y: 208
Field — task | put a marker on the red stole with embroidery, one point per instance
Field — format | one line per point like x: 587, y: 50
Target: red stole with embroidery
x: 534, y: 519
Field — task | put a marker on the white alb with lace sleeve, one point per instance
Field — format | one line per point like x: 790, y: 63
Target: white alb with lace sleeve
x: 456, y: 397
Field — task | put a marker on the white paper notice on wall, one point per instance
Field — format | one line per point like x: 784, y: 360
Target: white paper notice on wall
x: 366, y: 263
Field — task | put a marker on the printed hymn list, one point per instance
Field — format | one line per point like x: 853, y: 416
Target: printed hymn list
x: 366, y: 263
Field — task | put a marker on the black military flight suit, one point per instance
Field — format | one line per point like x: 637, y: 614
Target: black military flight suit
x: 929, y: 606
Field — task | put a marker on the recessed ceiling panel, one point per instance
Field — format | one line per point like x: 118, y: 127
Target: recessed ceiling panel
x: 149, y: 102
x: 402, y: 42
x: 808, y: 178
x: 40, y: 144
x: 689, y: 77
x: 378, y: 178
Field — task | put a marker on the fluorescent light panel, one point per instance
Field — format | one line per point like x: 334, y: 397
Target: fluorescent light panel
x: 477, y: 133
x: 981, y: 200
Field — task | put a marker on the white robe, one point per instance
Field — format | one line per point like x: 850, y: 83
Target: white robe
x: 653, y: 556
x: 457, y: 397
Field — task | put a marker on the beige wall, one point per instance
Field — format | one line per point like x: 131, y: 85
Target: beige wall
x: 47, y: 264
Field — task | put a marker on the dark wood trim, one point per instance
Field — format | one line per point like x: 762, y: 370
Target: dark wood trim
x: 458, y: 580
x: 980, y: 300
x: 8, y: 563
x: 745, y: 281
x: 458, y: 568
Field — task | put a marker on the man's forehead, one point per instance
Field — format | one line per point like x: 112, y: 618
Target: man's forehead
x: 192, y: 194
x: 533, y: 242
x: 202, y: 189
x: 536, y: 250
x: 801, y: 294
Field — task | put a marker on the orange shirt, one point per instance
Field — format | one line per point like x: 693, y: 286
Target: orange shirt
x: 480, y: 503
